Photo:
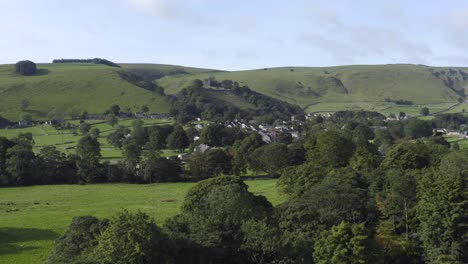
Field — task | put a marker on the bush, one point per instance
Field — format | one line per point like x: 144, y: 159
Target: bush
x: 25, y: 67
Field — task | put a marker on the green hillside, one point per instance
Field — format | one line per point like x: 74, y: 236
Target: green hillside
x: 61, y: 89
x: 344, y: 87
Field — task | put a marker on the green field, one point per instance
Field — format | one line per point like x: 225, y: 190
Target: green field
x: 65, y: 140
x: 61, y: 89
x: 338, y: 88
x: 38, y: 215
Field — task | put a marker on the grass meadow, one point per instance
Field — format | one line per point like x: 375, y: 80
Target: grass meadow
x: 31, y: 218
x: 65, y: 140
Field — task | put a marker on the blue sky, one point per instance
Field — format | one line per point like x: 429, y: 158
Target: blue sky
x: 234, y: 35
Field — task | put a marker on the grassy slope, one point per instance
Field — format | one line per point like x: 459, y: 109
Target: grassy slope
x: 27, y: 235
x: 62, y: 88
x: 362, y: 87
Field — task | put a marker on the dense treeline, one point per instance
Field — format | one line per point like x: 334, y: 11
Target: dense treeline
x: 196, y: 101
x: 141, y: 81
x: 95, y: 61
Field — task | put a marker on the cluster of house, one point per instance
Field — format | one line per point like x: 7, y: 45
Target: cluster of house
x: 444, y: 131
x: 268, y: 133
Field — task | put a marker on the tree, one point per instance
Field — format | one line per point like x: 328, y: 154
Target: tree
x: 344, y: 243
x: 78, y: 240
x: 262, y: 241
x: 155, y: 168
x: 95, y: 132
x: 112, y: 120
x: 84, y: 128
x: 270, y: 158
x: 114, y: 110
x: 89, y: 151
x: 424, y: 111
x: 407, y: 156
x: 20, y: 164
x: 241, y: 152
x: 212, y: 135
x: 416, y: 128
x: 25, y: 67
x: 212, y: 216
x: 118, y: 137
x: 296, y: 180
x: 442, y: 211
x: 330, y: 148
x: 213, y: 162
x: 144, y: 109
x: 285, y: 138
x: 132, y: 238
x: 131, y: 153
x: 178, y: 139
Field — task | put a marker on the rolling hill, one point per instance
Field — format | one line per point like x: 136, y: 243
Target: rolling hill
x: 63, y: 89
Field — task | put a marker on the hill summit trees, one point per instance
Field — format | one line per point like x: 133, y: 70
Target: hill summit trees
x: 25, y: 67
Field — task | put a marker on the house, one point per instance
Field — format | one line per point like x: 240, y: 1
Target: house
x: 265, y: 137
x: 23, y: 124
x: 202, y: 148
x: 184, y: 157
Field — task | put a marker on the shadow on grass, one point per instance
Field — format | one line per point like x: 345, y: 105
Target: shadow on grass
x: 11, y: 238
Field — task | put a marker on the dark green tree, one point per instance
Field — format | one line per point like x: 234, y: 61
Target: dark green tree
x: 424, y: 111
x: 89, y: 152
x: 178, y: 139
x: 343, y: 244
x: 25, y: 67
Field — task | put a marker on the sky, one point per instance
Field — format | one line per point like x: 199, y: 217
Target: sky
x: 237, y: 35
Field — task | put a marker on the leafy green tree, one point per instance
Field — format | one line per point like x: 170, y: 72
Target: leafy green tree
x: 131, y: 153
x: 5, y: 144
x: 85, y: 128
x: 25, y: 67
x: 89, y: 151
x: 424, y: 111
x: 178, y: 139
x: 55, y: 167
x: 271, y: 158
x: 114, y: 110
x: 343, y: 244
x: 399, y: 198
x: 242, y: 150
x: 144, y: 109
x: 285, y: 138
x: 155, y: 168
x: 212, y: 216
x: 262, y: 241
x: 112, y: 120
x: 442, y: 211
x: 416, y: 128
x: 117, y: 138
x: 406, y: 156
x: 157, y: 136
x: 213, y: 162
x: 296, y: 180
x: 366, y: 157
x: 330, y: 149
x: 20, y: 165
x: 79, y: 239
x: 212, y: 135
x: 95, y: 132
x: 132, y: 238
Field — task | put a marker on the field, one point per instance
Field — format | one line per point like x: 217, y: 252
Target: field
x: 65, y: 140
x: 61, y: 89
x: 33, y: 217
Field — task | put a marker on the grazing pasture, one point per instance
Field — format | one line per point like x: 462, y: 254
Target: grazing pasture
x: 33, y: 217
